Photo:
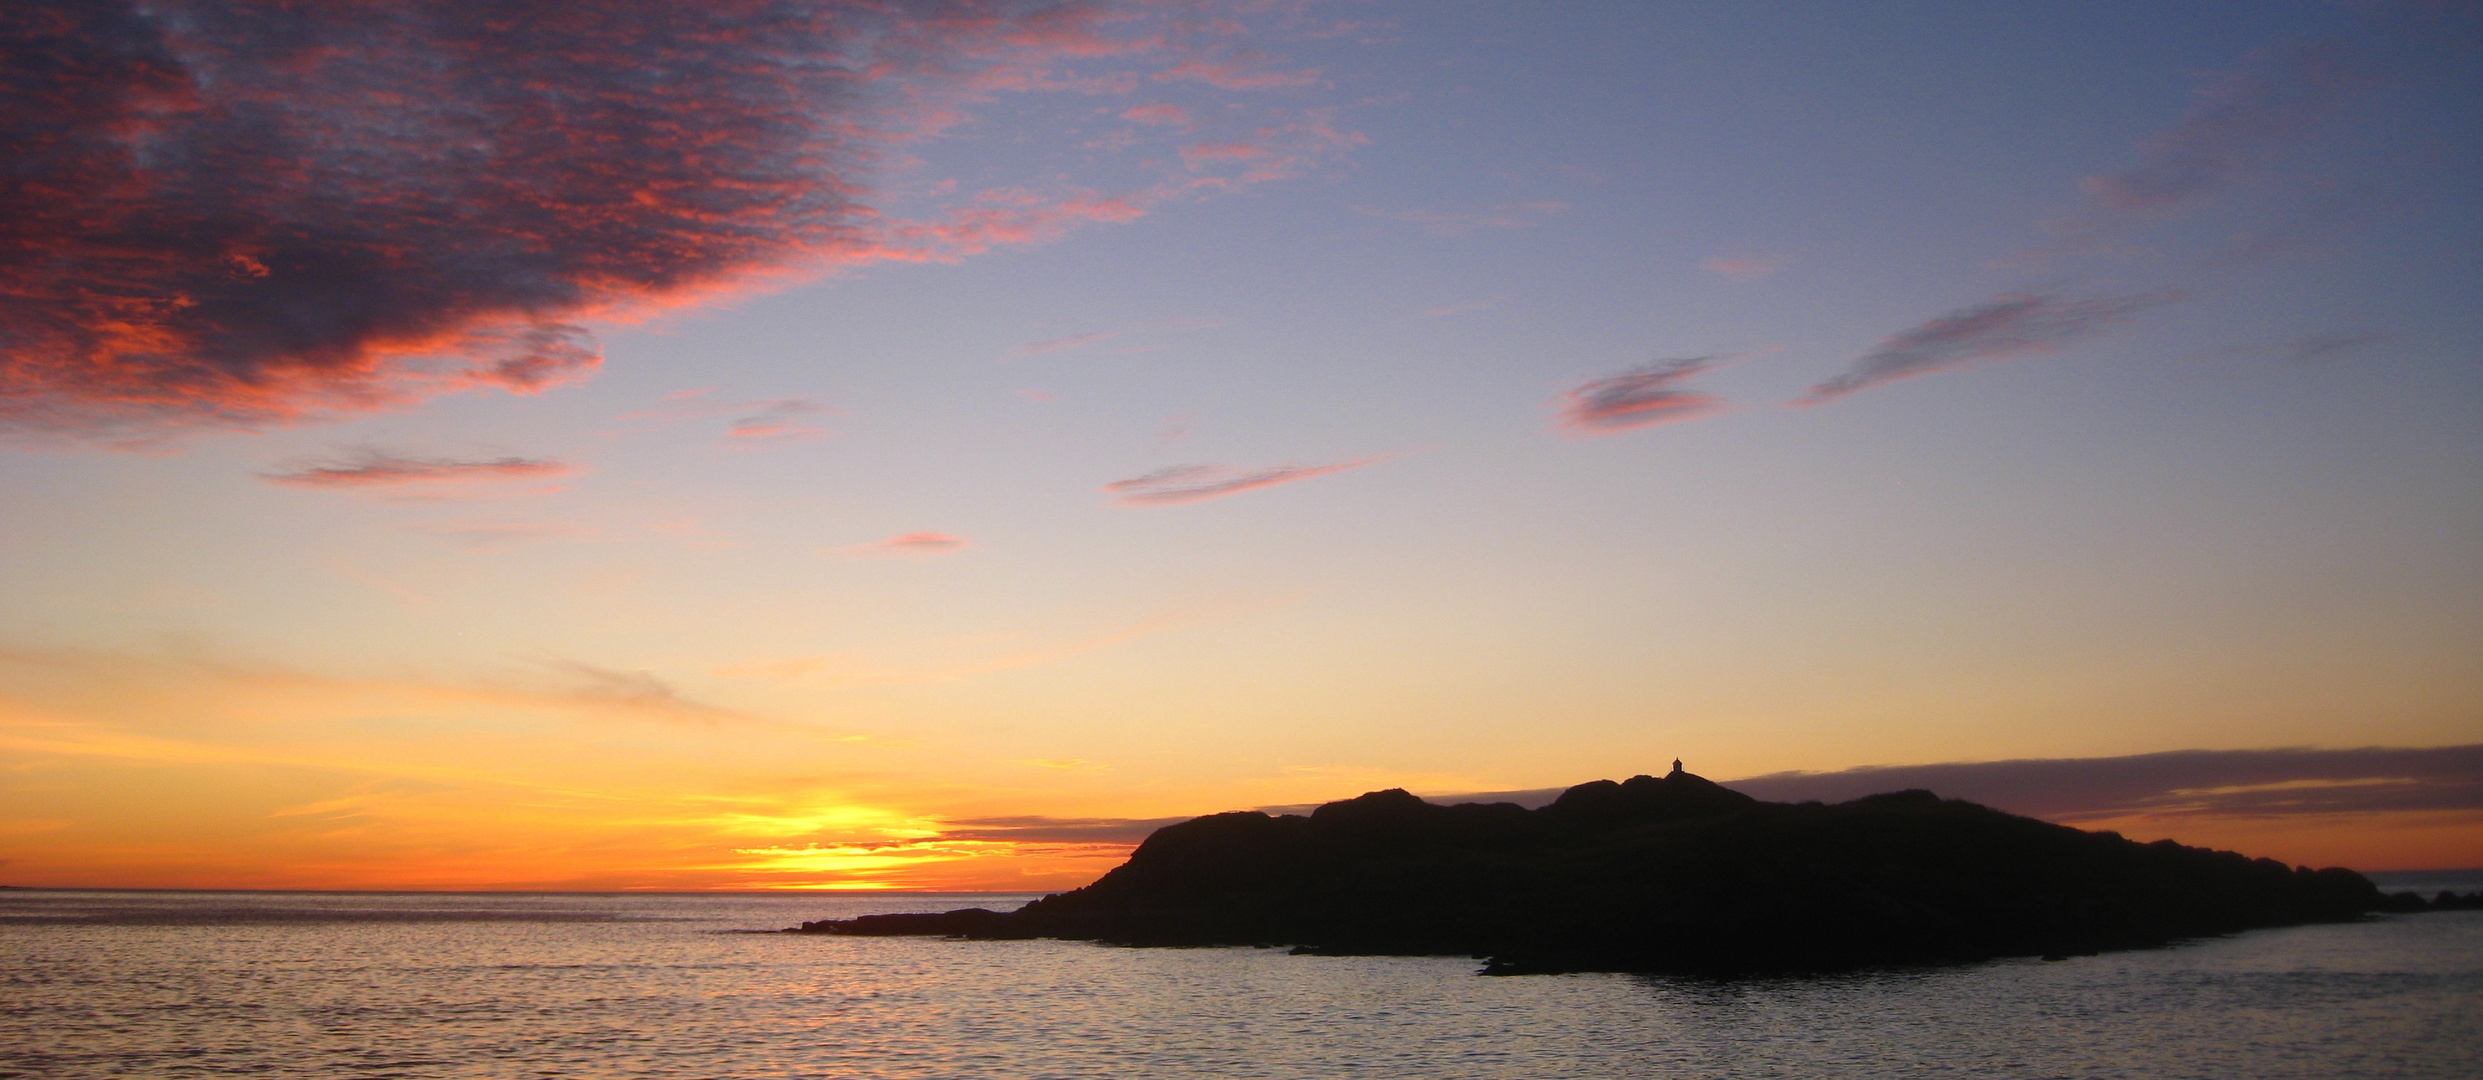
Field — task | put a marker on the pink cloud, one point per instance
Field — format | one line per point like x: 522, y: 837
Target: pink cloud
x: 1642, y: 396
x: 913, y: 543
x: 1033, y: 348
x: 1211, y: 152
x: 1004, y: 216
x: 2012, y: 325
x: 778, y: 421
x: 1742, y: 268
x: 1237, y: 75
x: 1157, y: 114
x: 1196, y: 483
x: 372, y: 468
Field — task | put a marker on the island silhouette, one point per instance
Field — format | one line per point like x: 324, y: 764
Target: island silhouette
x: 1672, y: 875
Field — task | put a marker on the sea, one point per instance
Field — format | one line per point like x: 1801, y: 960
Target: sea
x: 509, y: 985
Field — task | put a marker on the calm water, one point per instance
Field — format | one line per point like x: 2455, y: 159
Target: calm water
x: 96, y: 984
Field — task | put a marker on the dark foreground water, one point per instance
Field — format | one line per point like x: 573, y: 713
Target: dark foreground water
x: 96, y: 984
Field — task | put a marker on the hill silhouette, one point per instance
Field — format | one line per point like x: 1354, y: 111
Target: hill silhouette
x: 1675, y: 874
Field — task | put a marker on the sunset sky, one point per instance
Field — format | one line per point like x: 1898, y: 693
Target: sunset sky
x: 460, y: 444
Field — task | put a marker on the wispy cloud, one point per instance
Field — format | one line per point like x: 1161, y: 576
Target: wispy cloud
x: 2239, y: 118
x: 1196, y: 483
x: 1157, y: 114
x: 1743, y: 268
x: 1248, y: 72
x: 1457, y: 221
x: 1035, y: 828
x: 557, y: 684
x: 756, y: 423
x: 913, y: 543
x: 778, y: 421
x: 1648, y: 394
x: 2012, y: 325
x: 380, y: 469
x: 2183, y: 783
x: 1198, y: 154
x: 1066, y: 764
x: 640, y: 692
x: 1174, y: 428
x: 2240, y: 134
x: 1036, y: 348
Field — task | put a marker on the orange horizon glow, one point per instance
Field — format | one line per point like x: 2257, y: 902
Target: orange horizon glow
x: 2435, y: 842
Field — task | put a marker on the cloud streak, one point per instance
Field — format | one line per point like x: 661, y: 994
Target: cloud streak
x: 252, y: 212
x: 1642, y: 396
x: 2011, y: 325
x: 913, y: 543
x: 1037, y: 348
x: 1033, y: 828
x: 1741, y: 268
x: 376, y: 469
x: 1178, y: 484
x: 777, y: 421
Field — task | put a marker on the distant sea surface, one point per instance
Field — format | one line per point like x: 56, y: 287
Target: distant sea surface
x: 332, y: 985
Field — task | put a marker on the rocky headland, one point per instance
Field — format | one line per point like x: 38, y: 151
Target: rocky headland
x: 1673, y: 874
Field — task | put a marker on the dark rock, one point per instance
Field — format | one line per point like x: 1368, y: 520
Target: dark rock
x: 1664, y: 875
x: 964, y: 922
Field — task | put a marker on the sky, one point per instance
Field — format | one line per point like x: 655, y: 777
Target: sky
x: 466, y: 444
